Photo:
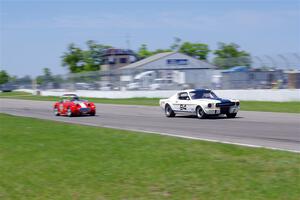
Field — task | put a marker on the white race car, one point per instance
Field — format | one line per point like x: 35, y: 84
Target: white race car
x: 201, y: 102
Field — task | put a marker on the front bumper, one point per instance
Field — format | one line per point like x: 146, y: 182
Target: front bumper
x: 221, y: 110
x: 83, y: 111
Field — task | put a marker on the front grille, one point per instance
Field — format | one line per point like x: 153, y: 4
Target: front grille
x: 225, y: 104
x: 84, y: 110
x: 224, y: 109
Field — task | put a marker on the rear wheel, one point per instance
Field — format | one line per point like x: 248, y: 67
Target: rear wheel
x: 200, y: 113
x: 69, y: 112
x: 231, y: 115
x: 169, y: 112
x: 55, y: 110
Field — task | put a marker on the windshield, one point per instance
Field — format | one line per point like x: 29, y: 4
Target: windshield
x: 71, y: 98
x: 203, y: 94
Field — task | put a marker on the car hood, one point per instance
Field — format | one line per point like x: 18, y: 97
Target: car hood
x: 83, y: 104
x: 217, y: 100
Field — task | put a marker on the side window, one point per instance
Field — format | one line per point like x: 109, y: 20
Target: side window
x: 123, y: 60
x: 183, y: 96
x: 111, y: 60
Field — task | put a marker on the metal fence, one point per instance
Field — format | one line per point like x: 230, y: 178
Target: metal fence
x: 289, y: 61
x: 263, y: 72
x: 172, y: 80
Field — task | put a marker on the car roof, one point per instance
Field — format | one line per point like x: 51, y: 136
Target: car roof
x: 194, y: 90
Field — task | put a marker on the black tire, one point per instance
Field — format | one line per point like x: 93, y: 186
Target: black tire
x: 169, y: 112
x: 55, y: 110
x: 69, y: 112
x: 231, y: 115
x: 92, y: 113
x: 200, y: 113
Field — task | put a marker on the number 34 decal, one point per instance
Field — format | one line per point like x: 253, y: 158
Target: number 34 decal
x: 182, y: 107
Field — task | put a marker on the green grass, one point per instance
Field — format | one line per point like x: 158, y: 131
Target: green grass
x: 49, y: 160
x: 268, y: 106
x: 14, y: 94
x: 288, y: 107
x: 129, y: 101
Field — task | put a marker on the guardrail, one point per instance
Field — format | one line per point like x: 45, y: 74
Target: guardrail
x: 279, y: 95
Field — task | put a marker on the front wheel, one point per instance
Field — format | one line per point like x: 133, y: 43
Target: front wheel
x: 69, y: 112
x: 200, y: 113
x: 92, y: 113
x: 56, y: 113
x: 169, y: 112
x: 231, y: 115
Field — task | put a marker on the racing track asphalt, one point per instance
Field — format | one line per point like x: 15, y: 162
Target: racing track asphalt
x: 260, y: 129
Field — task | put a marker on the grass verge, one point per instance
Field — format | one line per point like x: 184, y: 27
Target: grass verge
x: 266, y: 106
x: 49, y: 160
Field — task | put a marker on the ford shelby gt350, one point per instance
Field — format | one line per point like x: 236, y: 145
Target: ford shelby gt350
x: 201, y: 102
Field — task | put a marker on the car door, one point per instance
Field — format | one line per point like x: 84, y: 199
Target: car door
x: 61, y: 107
x: 182, y: 102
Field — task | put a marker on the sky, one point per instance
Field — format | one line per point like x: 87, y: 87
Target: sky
x: 35, y: 34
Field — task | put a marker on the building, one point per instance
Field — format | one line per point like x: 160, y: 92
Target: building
x: 117, y: 58
x: 170, y: 68
x: 293, y: 79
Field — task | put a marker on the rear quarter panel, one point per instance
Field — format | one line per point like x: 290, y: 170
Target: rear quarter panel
x: 162, y: 102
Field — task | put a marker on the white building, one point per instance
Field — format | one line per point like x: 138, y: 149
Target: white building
x: 171, y: 67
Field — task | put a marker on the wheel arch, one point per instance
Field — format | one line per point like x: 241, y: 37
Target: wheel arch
x: 168, y: 104
x: 198, y: 105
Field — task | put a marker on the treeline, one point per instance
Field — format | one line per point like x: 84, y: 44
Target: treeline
x: 5, y: 78
x: 27, y: 80
x: 90, y: 59
x: 225, y: 56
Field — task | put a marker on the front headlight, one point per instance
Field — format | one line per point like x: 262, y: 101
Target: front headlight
x: 237, y: 103
x: 209, y: 105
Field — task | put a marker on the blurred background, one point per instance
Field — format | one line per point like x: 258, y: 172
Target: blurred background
x: 151, y: 45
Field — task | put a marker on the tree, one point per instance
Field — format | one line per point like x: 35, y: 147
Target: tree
x: 47, y: 72
x: 229, y: 55
x: 46, y: 77
x: 161, y: 51
x: 143, y: 52
x: 78, y: 60
x: 176, y: 45
x: 196, y: 50
x: 93, y: 57
x: 73, y: 59
x: 4, y: 77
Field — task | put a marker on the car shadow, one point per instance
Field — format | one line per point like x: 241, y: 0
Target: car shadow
x: 81, y: 116
x: 218, y: 117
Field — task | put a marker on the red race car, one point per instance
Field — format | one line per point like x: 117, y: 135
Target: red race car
x: 71, y: 105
